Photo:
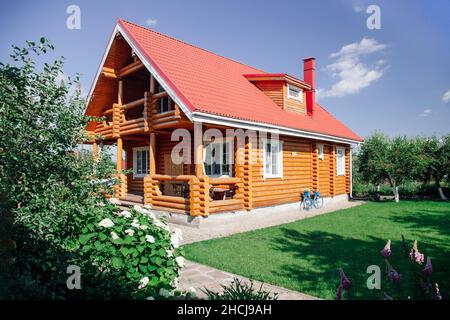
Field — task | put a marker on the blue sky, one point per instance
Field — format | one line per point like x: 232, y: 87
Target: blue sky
x: 393, y: 79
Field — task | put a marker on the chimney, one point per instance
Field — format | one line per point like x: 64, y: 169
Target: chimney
x: 309, y: 67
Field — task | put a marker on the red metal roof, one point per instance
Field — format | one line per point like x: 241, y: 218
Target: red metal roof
x: 210, y: 83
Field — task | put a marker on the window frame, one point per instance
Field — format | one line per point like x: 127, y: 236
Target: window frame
x: 160, y: 109
x: 135, y: 164
x: 320, y: 151
x: 340, y: 170
x: 228, y: 147
x: 279, y: 159
x: 300, y: 91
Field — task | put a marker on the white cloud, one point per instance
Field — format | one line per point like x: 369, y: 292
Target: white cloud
x: 446, y: 96
x: 425, y: 113
x: 151, y: 22
x: 353, y: 74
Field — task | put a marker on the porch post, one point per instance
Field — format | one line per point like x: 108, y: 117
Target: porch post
x: 95, y: 151
x: 119, y: 154
x: 122, y: 186
x: 198, y: 151
x: 152, y: 152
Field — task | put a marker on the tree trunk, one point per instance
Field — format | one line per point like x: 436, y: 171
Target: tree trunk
x: 394, y: 190
x: 396, y: 195
x: 441, y: 193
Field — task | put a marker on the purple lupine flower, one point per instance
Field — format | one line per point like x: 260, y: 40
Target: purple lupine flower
x: 386, y: 252
x: 393, y: 275
x: 339, y: 293
x: 428, y: 267
x: 415, y: 255
x: 345, y: 282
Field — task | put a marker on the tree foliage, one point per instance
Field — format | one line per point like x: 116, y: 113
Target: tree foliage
x: 402, y: 160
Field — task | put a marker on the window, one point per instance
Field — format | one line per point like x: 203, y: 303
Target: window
x: 295, y: 93
x: 140, y: 162
x: 340, y: 161
x: 164, y: 102
x: 273, y: 158
x: 320, y: 151
x: 217, y: 160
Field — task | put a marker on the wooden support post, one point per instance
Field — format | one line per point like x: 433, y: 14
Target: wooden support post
x: 120, y: 93
x: 152, y: 85
x: 119, y: 154
x: 122, y: 183
x: 95, y: 150
x: 152, y: 153
x: 198, y: 149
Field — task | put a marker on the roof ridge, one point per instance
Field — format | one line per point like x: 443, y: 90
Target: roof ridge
x: 191, y: 45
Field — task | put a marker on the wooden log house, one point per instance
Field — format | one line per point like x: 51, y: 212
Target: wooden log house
x: 149, y: 84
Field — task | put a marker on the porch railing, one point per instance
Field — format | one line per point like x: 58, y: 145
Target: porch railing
x: 197, y: 198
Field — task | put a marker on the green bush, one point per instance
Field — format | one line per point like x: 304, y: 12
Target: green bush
x: 135, y: 246
x: 51, y: 194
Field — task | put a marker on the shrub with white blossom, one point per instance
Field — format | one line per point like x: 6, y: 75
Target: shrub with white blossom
x: 135, y: 245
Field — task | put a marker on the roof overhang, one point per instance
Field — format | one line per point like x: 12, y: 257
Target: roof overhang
x: 268, y: 77
x: 250, y: 125
x: 180, y: 100
x: 196, y: 116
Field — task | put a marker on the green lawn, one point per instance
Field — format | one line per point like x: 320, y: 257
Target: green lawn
x: 306, y: 255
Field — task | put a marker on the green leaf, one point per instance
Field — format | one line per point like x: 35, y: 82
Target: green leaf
x: 86, y: 237
x: 117, y: 262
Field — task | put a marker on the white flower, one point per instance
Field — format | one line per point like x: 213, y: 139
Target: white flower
x: 129, y: 232
x: 161, y: 224
x: 101, y: 204
x: 140, y: 209
x: 125, y: 213
x: 135, y: 223
x: 114, y: 201
x: 114, y: 235
x: 169, y: 253
x: 180, y: 261
x: 164, y: 293
x: 143, y: 282
x: 151, y: 215
x: 192, y: 292
x: 174, y: 241
x: 149, y: 298
x: 174, y: 283
x: 150, y: 238
x: 107, y: 223
x: 143, y: 227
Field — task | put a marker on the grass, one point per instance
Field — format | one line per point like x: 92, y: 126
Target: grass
x: 305, y: 255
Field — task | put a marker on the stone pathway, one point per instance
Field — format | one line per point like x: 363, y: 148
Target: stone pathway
x: 200, y: 277
x: 221, y: 225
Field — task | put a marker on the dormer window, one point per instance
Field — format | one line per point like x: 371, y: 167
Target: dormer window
x: 295, y: 93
